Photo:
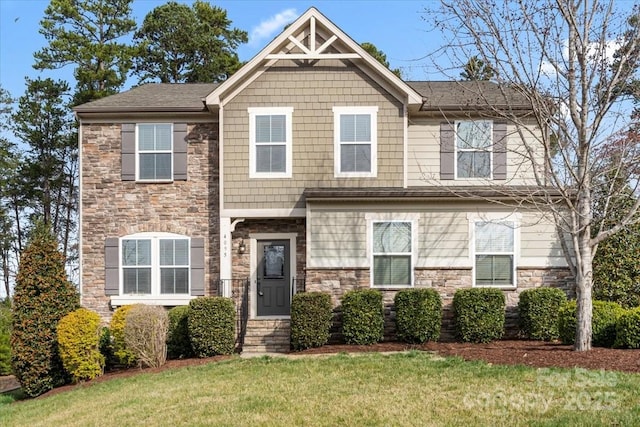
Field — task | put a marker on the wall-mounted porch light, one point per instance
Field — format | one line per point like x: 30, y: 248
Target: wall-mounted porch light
x: 242, y: 248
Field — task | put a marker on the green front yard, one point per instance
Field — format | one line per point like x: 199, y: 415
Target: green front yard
x: 367, y: 389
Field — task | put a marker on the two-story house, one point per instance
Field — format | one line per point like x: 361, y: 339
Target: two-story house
x: 312, y: 168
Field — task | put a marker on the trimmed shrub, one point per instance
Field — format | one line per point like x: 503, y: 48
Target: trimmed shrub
x: 5, y: 338
x: 310, y: 320
x: 79, y: 341
x: 605, y: 318
x: 178, y: 343
x: 362, y: 316
x: 479, y: 314
x: 123, y: 356
x: 106, y: 348
x: 538, y: 311
x: 567, y: 322
x: 628, y: 329
x: 43, y: 296
x: 603, y: 323
x: 145, y: 334
x: 212, y: 326
x: 418, y: 315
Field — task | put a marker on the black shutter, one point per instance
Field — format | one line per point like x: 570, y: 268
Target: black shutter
x: 447, y: 151
x: 111, y: 264
x: 197, y: 266
x: 180, y: 151
x: 500, y: 150
x: 128, y: 136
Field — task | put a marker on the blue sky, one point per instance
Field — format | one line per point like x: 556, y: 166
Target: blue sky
x: 397, y: 28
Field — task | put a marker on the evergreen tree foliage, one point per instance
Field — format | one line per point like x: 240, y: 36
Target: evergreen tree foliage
x: 43, y: 295
x: 87, y: 34
x: 48, y: 170
x: 380, y: 56
x: 477, y: 70
x: 182, y: 44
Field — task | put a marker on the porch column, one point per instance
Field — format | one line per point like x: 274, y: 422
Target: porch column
x: 225, y: 256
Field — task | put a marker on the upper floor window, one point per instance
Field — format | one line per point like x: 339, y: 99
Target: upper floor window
x: 355, y: 141
x: 154, y: 264
x: 154, y: 149
x: 270, y: 138
x: 392, y: 253
x: 473, y: 146
x: 494, y: 253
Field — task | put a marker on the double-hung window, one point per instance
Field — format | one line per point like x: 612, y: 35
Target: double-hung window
x: 494, y: 253
x: 154, y: 147
x: 473, y: 148
x: 355, y: 141
x: 155, y: 264
x: 270, y: 138
x: 392, y: 253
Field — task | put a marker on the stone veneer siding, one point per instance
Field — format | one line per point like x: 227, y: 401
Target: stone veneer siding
x: 114, y: 208
x: 241, y: 262
x: 445, y: 280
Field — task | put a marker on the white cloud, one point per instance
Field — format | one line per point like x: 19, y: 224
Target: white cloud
x: 272, y: 25
x: 597, y: 52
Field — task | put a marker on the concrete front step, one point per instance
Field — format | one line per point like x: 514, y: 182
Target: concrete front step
x: 267, y: 335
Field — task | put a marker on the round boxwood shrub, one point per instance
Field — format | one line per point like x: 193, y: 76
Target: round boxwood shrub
x: 122, y: 354
x: 628, y: 329
x: 178, y: 343
x: 145, y: 334
x: 479, y: 314
x: 43, y: 295
x: 603, y: 323
x: 212, y: 326
x: 538, y: 311
x: 362, y: 317
x: 418, y: 315
x: 310, y: 320
x: 78, y: 341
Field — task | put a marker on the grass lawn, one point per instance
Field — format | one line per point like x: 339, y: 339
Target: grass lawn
x: 412, y: 388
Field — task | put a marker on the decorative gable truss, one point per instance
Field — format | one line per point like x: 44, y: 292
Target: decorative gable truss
x: 309, y: 39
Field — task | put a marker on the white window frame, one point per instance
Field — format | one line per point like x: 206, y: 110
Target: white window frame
x: 413, y: 219
x: 270, y: 111
x: 513, y: 221
x: 337, y: 113
x: 470, y: 150
x: 155, y: 297
x: 138, y: 152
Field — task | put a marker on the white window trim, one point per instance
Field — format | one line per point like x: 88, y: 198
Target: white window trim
x: 371, y: 111
x: 269, y: 111
x: 138, y: 179
x: 456, y: 150
x: 412, y: 218
x: 155, y: 270
x: 515, y: 219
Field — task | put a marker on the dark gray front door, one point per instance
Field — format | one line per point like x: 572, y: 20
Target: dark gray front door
x: 274, y: 278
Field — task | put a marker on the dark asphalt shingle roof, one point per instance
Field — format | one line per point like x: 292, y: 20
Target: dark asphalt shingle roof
x: 465, y: 95
x: 188, y: 97
x: 154, y: 97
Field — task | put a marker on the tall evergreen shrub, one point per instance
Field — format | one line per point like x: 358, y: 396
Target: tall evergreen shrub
x: 43, y: 295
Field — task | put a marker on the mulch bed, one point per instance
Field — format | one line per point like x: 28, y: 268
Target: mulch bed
x: 507, y: 352
x: 512, y: 352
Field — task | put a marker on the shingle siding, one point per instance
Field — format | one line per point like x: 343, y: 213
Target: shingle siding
x: 312, y: 91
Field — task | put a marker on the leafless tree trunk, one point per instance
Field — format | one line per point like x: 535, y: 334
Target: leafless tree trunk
x: 571, y: 60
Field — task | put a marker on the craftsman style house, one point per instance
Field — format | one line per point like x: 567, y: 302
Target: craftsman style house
x: 312, y: 168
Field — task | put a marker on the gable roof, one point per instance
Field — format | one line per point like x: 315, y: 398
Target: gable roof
x: 312, y: 37
x: 153, y: 97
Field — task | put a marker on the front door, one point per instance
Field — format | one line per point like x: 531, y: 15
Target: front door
x: 274, y: 278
